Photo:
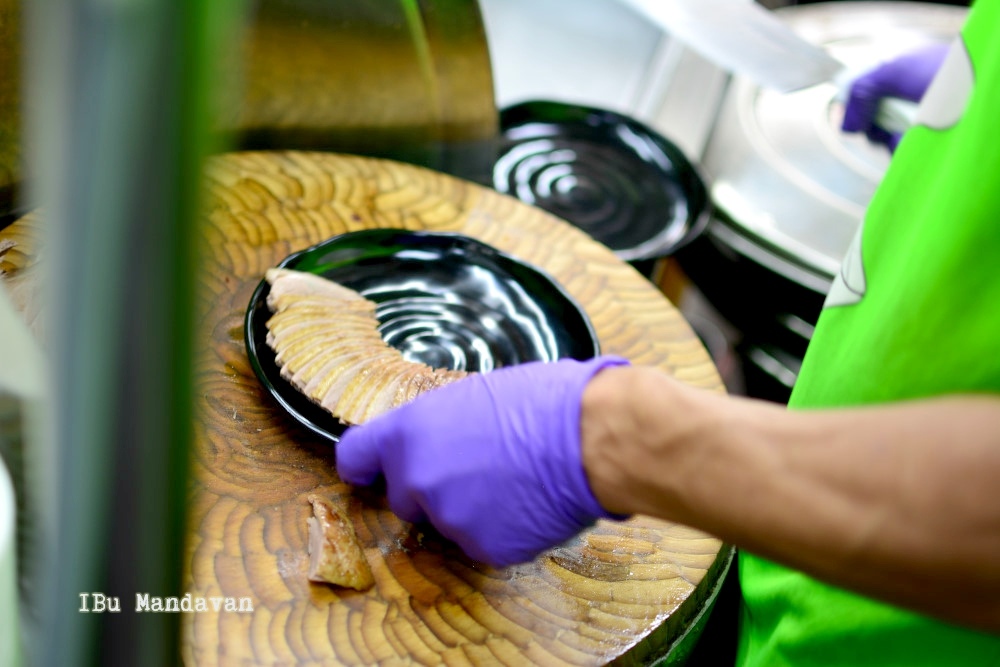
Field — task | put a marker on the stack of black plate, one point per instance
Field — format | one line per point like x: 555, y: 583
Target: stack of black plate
x: 613, y: 177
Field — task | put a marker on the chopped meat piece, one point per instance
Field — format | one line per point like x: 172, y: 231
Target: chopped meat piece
x: 335, y: 556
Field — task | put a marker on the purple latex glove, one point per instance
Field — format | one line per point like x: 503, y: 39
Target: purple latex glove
x: 492, y: 461
x: 906, y: 77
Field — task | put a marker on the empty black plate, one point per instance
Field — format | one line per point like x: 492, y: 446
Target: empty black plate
x: 443, y: 299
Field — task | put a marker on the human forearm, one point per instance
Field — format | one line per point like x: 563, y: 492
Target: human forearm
x: 895, y: 502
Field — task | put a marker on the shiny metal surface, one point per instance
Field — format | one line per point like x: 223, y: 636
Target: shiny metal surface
x: 403, y: 79
x: 365, y: 77
x: 10, y: 100
x: 781, y: 170
x: 744, y: 38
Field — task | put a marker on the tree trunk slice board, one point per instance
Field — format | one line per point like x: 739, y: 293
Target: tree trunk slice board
x: 620, y: 592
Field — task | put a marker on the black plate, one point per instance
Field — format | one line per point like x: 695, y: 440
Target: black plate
x: 615, y: 178
x: 443, y: 299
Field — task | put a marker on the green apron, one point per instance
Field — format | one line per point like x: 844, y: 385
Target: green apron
x: 914, y: 313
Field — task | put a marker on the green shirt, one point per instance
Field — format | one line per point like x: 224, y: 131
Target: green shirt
x: 914, y: 313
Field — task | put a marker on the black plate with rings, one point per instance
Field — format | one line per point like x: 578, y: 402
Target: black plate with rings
x: 443, y: 299
x: 615, y: 178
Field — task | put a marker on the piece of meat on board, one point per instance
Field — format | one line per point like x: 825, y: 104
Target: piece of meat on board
x: 335, y: 555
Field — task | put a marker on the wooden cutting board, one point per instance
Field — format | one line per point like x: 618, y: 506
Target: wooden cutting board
x: 622, y: 591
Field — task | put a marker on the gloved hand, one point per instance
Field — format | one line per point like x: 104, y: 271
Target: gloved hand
x: 906, y: 77
x: 493, y: 461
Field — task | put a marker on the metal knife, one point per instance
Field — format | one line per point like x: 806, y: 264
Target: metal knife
x: 747, y: 39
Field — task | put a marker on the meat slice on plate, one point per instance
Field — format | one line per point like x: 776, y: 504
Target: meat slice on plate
x: 299, y: 284
x: 327, y: 345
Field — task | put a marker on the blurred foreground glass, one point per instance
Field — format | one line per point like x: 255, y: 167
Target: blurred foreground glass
x: 115, y: 110
x: 107, y: 108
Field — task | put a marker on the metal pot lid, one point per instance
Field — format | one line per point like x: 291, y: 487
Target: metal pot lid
x: 780, y: 169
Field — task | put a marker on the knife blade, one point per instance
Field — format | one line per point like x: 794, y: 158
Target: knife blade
x: 745, y: 38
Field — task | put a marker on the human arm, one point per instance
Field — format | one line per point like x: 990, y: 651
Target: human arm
x: 894, y: 502
x: 897, y: 502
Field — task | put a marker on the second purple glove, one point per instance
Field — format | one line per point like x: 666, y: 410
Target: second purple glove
x: 492, y: 461
x: 906, y: 77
